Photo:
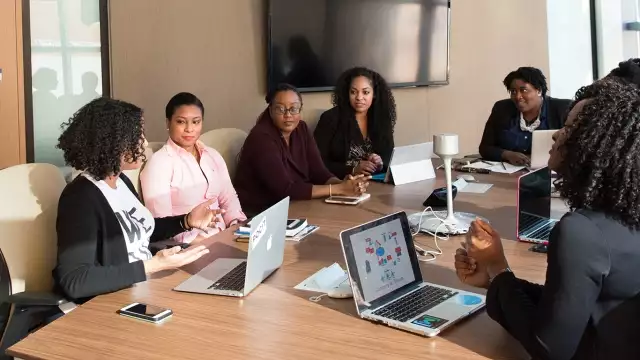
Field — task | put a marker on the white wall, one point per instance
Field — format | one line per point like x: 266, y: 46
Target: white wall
x: 569, y: 35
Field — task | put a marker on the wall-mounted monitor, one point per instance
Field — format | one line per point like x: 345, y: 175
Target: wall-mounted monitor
x: 311, y: 42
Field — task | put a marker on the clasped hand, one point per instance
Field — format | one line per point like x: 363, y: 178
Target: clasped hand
x: 368, y: 166
x: 481, y: 256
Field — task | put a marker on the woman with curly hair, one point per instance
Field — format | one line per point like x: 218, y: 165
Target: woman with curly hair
x: 589, y: 304
x: 103, y: 229
x: 507, y: 133
x: 279, y: 158
x: 356, y: 135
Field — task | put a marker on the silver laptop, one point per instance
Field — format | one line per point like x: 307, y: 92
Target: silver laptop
x: 387, y: 283
x: 541, y: 143
x: 534, y: 222
x: 238, y: 277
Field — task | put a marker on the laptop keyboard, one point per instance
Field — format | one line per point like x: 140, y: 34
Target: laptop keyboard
x: 415, y: 303
x: 542, y: 227
x: 233, y: 280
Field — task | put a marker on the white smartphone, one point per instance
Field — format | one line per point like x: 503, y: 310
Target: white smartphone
x: 347, y: 200
x: 145, y: 312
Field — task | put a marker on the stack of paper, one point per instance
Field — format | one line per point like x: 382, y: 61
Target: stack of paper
x: 495, y: 166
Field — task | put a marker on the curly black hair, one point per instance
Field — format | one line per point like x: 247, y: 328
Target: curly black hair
x: 601, y: 150
x: 531, y: 75
x: 99, y: 134
x: 381, y: 116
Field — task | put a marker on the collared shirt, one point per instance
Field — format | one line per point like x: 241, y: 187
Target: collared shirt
x: 173, y: 183
x: 518, y: 140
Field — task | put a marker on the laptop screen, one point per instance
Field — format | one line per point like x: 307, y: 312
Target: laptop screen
x: 380, y: 257
x: 534, y: 197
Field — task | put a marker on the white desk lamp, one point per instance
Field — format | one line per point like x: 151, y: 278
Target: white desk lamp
x: 449, y: 222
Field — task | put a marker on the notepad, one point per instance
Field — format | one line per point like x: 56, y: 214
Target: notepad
x: 495, y: 166
x: 467, y: 187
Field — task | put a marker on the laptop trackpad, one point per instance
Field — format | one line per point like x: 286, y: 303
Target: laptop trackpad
x: 449, y: 311
x: 209, y: 274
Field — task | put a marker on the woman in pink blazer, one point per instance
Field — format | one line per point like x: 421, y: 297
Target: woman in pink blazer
x: 185, y: 172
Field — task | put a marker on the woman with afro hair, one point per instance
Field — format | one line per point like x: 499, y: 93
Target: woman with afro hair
x: 356, y: 136
x: 589, y: 305
x: 103, y: 229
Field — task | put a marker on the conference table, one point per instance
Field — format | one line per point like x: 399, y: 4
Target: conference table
x: 277, y: 321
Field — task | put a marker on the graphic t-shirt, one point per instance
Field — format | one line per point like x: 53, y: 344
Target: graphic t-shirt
x: 135, y: 220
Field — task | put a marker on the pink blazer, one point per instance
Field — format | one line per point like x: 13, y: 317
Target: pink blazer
x: 173, y: 183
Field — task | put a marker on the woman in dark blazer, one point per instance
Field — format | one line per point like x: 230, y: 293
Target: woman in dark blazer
x: 279, y: 158
x: 507, y: 134
x: 589, y: 305
x: 356, y: 135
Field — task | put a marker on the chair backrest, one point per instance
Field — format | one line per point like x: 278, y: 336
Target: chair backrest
x: 30, y: 195
x: 228, y: 142
x: 155, y: 146
x: 133, y: 175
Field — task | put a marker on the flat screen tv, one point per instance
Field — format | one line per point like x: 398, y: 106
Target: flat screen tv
x: 311, y: 42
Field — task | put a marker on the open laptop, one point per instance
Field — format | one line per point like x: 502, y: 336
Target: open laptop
x: 387, y: 283
x: 533, y: 221
x: 238, y: 277
x: 541, y: 143
x: 408, y: 164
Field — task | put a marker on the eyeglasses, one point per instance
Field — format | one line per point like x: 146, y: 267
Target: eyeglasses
x: 281, y: 110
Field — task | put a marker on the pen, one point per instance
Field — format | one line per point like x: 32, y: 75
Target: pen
x: 504, y: 167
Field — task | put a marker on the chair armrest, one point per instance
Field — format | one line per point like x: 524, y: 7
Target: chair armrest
x: 33, y: 298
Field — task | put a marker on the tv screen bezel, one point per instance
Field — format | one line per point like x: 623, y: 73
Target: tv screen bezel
x: 330, y: 88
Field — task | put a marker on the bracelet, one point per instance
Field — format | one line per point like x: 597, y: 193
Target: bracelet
x: 507, y: 269
x: 185, y: 224
x: 330, y: 194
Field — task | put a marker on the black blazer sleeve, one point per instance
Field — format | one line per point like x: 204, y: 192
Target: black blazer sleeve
x: 77, y: 272
x: 166, y: 227
x: 550, y: 323
x: 498, y: 119
x: 333, y: 151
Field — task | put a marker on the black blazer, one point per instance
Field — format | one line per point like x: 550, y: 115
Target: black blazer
x: 92, y: 253
x: 504, y: 111
x: 334, y: 134
x: 589, y: 305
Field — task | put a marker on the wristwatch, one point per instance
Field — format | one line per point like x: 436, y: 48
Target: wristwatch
x: 507, y: 269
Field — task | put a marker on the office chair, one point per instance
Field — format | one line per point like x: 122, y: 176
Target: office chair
x: 228, y: 142
x: 28, y: 247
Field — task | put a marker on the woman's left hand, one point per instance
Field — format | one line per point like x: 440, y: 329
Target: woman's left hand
x: 377, y: 160
x: 202, y: 217
x: 485, y: 246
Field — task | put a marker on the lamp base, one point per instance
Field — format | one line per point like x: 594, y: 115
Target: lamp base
x: 437, y: 222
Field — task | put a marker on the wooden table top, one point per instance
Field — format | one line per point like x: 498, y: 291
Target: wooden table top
x: 277, y: 321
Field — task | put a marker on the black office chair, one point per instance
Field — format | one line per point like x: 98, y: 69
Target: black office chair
x: 23, y: 312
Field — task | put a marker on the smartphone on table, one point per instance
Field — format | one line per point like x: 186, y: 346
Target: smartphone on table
x: 145, y: 312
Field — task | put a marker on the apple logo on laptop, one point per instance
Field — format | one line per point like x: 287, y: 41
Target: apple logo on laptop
x: 269, y: 242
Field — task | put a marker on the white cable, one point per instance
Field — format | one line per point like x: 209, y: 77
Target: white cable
x: 422, y: 253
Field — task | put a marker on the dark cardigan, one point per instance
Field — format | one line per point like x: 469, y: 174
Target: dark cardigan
x: 502, y: 115
x: 334, y: 134
x: 92, y: 252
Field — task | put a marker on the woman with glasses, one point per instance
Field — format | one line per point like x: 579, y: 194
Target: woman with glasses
x: 507, y: 134
x: 356, y: 135
x: 280, y: 158
x: 185, y: 172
